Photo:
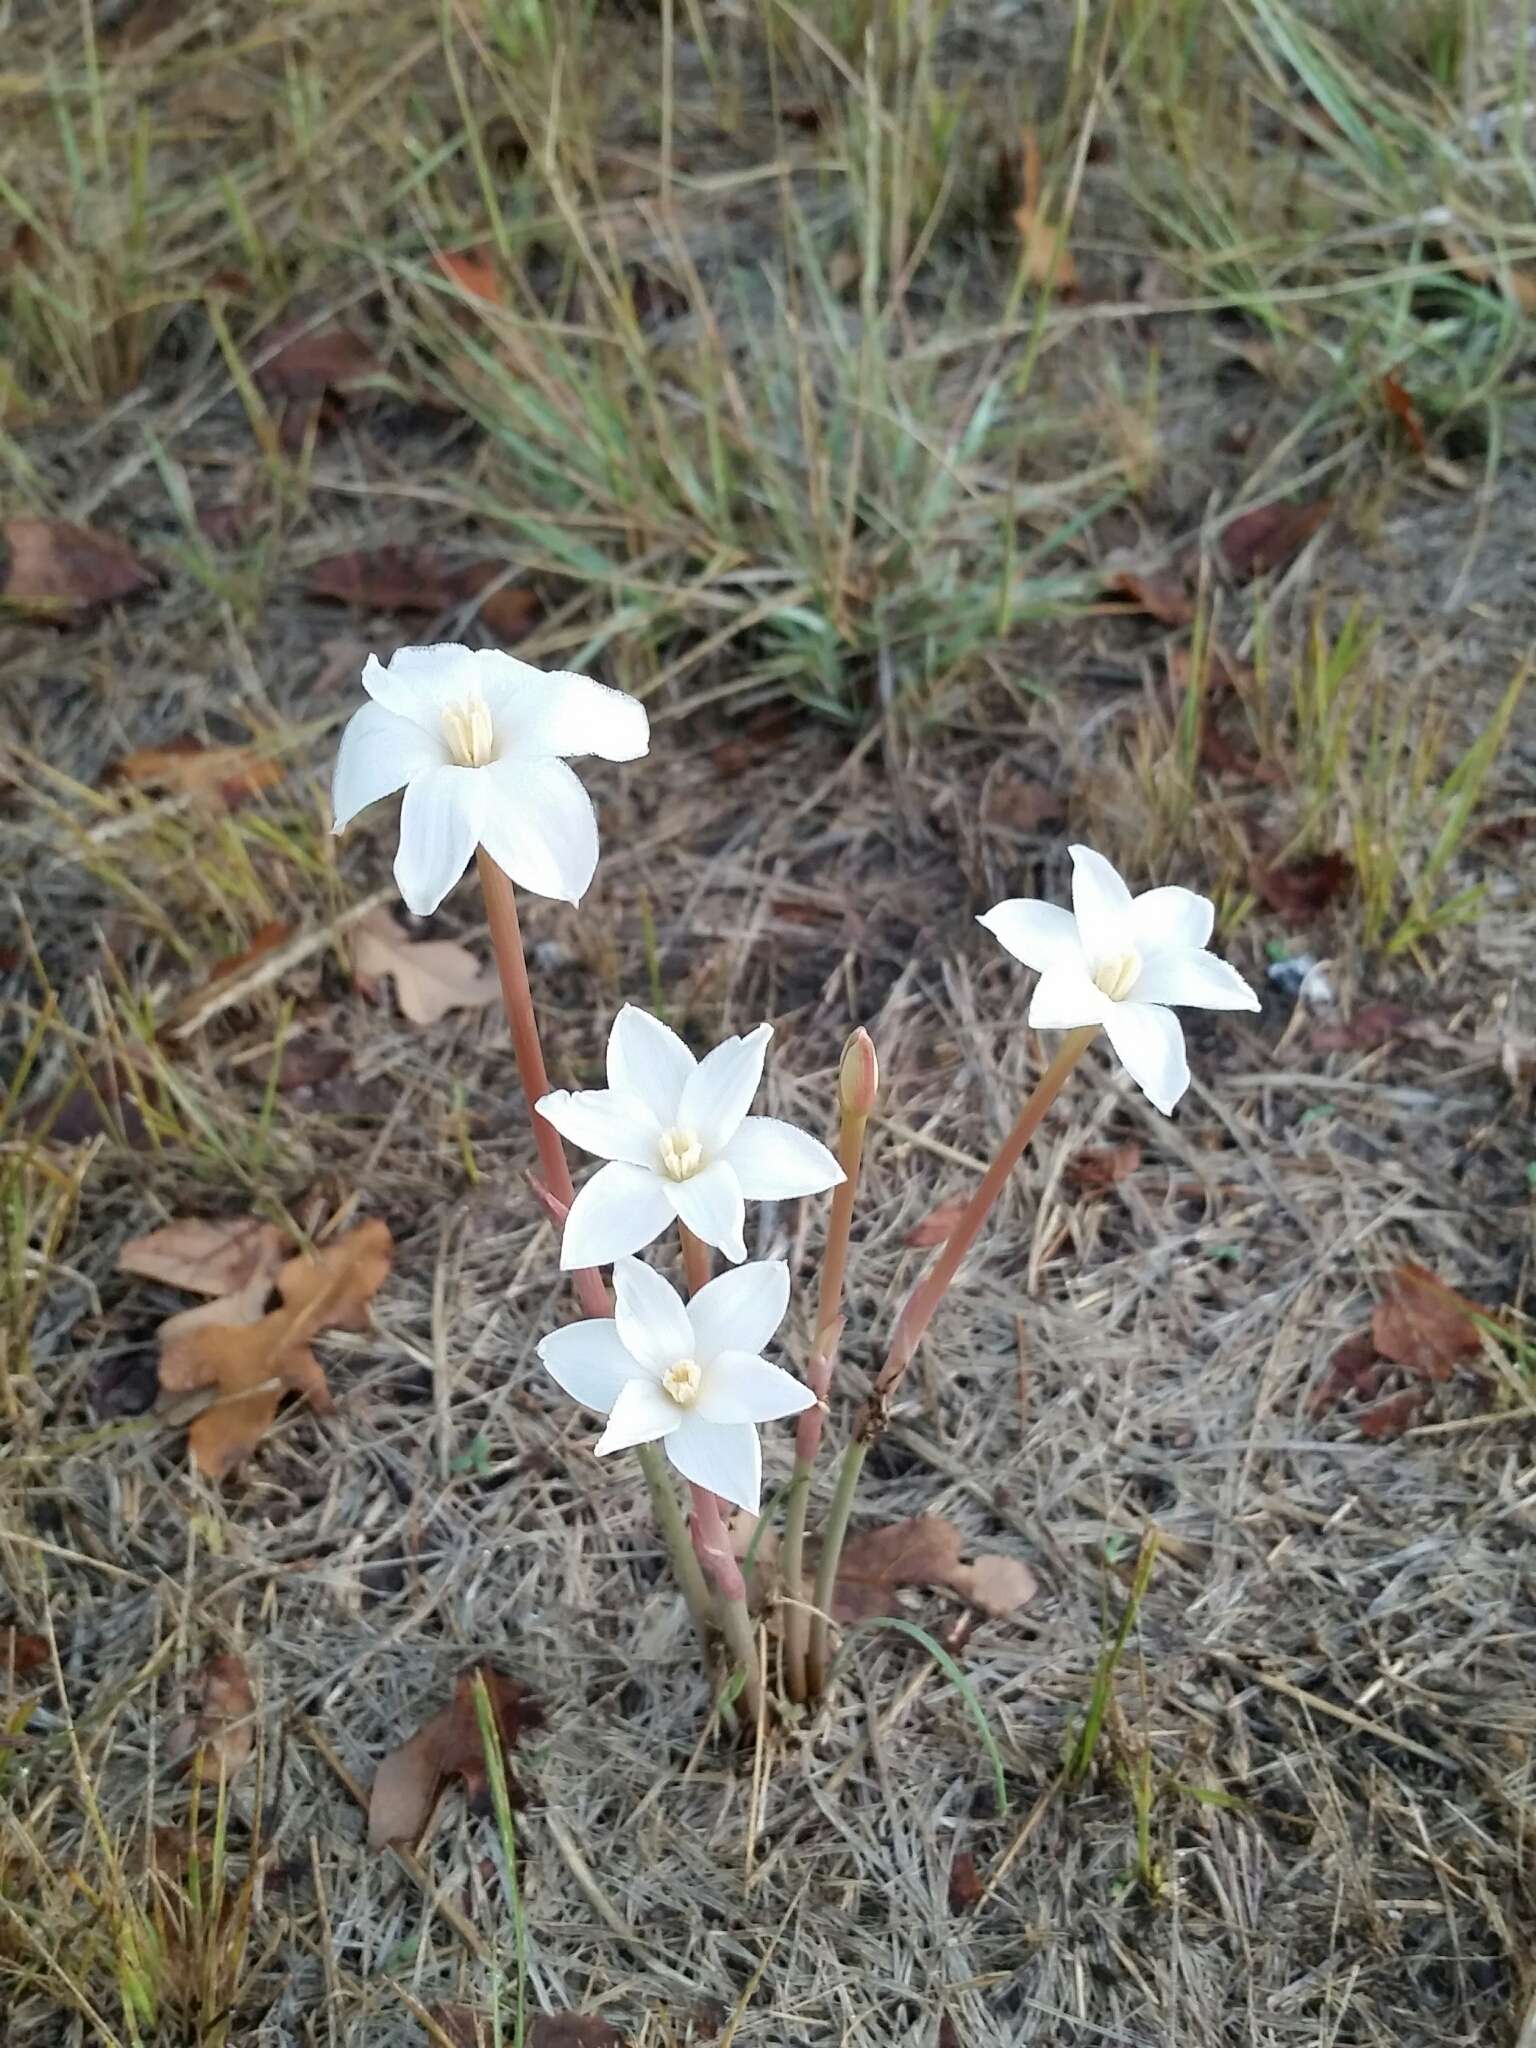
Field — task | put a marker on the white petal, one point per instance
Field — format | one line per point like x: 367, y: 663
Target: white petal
x: 588, y: 1361
x: 537, y: 823
x: 1066, y: 997
x: 652, y: 1320
x: 419, y: 681
x: 739, y: 1311
x: 439, y: 830
x: 740, y: 1388
x: 640, y: 1415
x: 1101, y: 904
x: 620, y: 1209
x: 711, y: 1206
x: 379, y: 753
x: 1042, y: 935
x: 603, y: 1121
x: 724, y: 1457
x: 1169, y: 918
x: 776, y: 1161
x: 1194, y: 978
x: 720, y: 1088
x: 1150, y: 1043
x: 538, y: 713
x: 648, y: 1060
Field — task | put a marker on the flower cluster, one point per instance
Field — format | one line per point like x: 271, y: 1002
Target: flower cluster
x: 480, y: 743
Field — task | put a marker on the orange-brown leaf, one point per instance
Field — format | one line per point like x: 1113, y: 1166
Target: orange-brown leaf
x: 407, y: 1783
x: 224, y: 776
x: 925, y: 1551
x: 21, y: 1655
x: 1102, y: 1166
x: 431, y: 976
x: 474, y: 272
x: 1267, y: 538
x: 391, y: 579
x: 1392, y: 1416
x: 1299, y: 889
x: 55, y: 570
x: 217, y: 1738
x: 314, y: 365
x: 1402, y: 408
x: 205, y: 1257
x: 1516, y: 285
x: 253, y: 1366
x: 1163, y: 598
x: 1046, y: 258
x: 965, y: 1886
x: 1425, y: 1326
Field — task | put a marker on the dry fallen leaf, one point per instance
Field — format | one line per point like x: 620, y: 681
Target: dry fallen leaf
x: 1023, y: 803
x: 1299, y: 889
x: 1103, y: 1165
x: 1374, y: 1025
x: 474, y: 272
x: 1163, y: 598
x: 252, y: 1365
x: 1047, y: 259
x: 1517, y: 285
x: 1353, y: 1369
x: 1392, y: 1416
x: 50, y: 569
x: 322, y: 363
x: 420, y: 580
x: 21, y: 1655
x: 217, y: 1738
x: 965, y: 1886
x: 1425, y: 1326
x: 224, y: 776
x: 431, y: 976
x: 936, y: 1225
x: 407, y: 1783
x: 925, y: 1551
x: 267, y: 938
x: 467, y: 2028
x: 1266, y: 538
x: 203, y: 1257
x: 1402, y: 408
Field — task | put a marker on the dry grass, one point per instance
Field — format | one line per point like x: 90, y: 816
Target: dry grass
x: 875, y: 501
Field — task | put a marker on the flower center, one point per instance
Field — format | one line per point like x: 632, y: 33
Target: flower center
x: 1118, y: 975
x: 468, y: 730
x: 682, y: 1381
x: 681, y: 1154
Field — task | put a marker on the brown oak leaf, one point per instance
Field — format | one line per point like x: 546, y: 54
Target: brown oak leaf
x: 217, y: 1738
x: 1103, y: 1165
x: 408, y: 1781
x: 1425, y: 1326
x: 392, y: 579
x: 50, y: 569
x: 1267, y: 538
x: 205, y: 1257
x: 253, y: 1365
x: 223, y: 776
x: 925, y: 1551
x: 1161, y: 597
x: 431, y: 976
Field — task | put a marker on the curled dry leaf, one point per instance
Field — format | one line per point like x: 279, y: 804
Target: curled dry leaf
x: 253, y: 1365
x: 224, y: 776
x: 431, y: 976
x: 1163, y: 597
x: 1375, y: 1024
x: 1425, y: 1326
x: 322, y: 363
x: 965, y: 1886
x: 925, y: 1551
x: 1269, y: 536
x: 1103, y: 1165
x: 1353, y: 1369
x: 217, y: 1738
x: 1392, y: 1416
x: 1402, y: 408
x: 1299, y: 889
x: 1047, y: 259
x: 204, y: 1257
x: 393, y: 579
x: 467, y: 2028
x: 936, y: 1225
x: 475, y: 273
x: 407, y: 1783
x: 50, y: 569
x: 21, y: 1655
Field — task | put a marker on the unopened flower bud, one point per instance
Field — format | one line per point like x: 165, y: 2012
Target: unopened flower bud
x: 858, y: 1077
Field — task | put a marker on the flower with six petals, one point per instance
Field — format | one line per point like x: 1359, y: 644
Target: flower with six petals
x: 1120, y: 960
x: 679, y: 1143
x: 687, y: 1374
x: 479, y: 742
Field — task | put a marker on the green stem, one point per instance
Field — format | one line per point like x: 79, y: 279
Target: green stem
x: 673, y: 1524
x: 831, y: 1552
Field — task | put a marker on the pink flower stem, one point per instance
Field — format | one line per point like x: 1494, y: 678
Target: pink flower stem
x: 719, y: 1560
x: 557, y: 1194
x: 914, y: 1320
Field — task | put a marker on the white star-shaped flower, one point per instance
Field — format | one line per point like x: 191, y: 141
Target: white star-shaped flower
x: 681, y: 1145
x: 1119, y: 960
x: 685, y: 1373
x: 478, y: 742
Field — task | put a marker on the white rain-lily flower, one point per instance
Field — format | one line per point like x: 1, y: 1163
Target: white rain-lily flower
x: 680, y: 1144
x: 1119, y: 960
x: 685, y: 1373
x: 478, y: 742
